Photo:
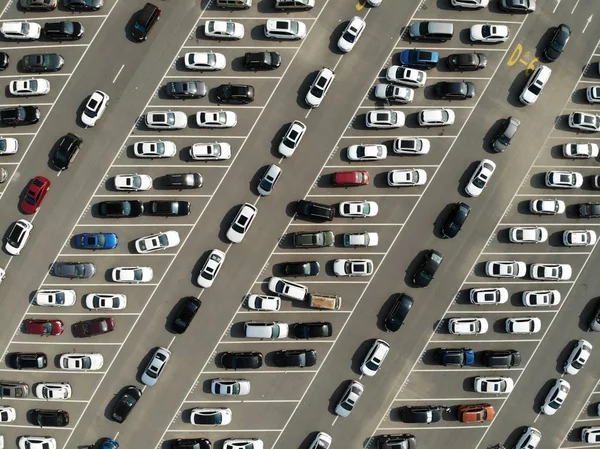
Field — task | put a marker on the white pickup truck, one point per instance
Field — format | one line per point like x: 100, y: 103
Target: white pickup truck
x: 361, y: 239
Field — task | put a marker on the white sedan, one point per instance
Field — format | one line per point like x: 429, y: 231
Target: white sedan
x: 564, y: 179
x: 528, y: 234
x: 411, y: 145
x: 489, y: 33
x: 490, y: 295
x: 285, y: 29
x: 94, y: 108
x: 133, y: 183
x: 33, y: 442
x: 25, y: 88
x: 319, y: 87
x: 291, y: 139
x: 23, y: 31
x: 353, y: 267
x: 469, y: 4
x: 154, y: 149
x: 105, y: 301
x: 384, y: 119
x: 590, y: 434
x: 157, y: 242
x: 505, y: 269
x: 204, y: 61
x: 230, y: 387
x: 407, y: 177
x: 467, y: 326
x: 55, y: 298
x: 243, y: 443
x: 436, y: 117
x: 480, y: 177
x: 550, y: 271
x: 7, y: 414
x: 495, y: 385
x: 166, y: 120
x: 576, y: 360
x: 216, y: 119
x: 218, y: 151
x: 556, y: 397
x: 362, y: 152
x: 540, y: 298
x: 584, y: 121
x: 391, y: 92
x: 264, y: 303
x: 8, y: 145
x: 523, y: 325
x: 360, y: 209
x: 53, y: 391
x: 593, y: 94
x: 406, y: 76
x: 211, y: 268
x: 351, y: 34
x: 360, y: 239
x: 585, y: 237
x: 131, y: 274
x: 223, y: 29
x: 241, y: 223
x: 547, y: 207
x: 580, y: 150
x: 75, y: 361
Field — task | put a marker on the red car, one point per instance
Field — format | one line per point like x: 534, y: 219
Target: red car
x: 96, y: 326
x: 36, y: 191
x: 44, y: 327
x: 476, y: 413
x: 350, y: 178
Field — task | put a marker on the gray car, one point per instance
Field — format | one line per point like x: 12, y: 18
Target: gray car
x: 42, y: 62
x: 153, y: 370
x: 38, y: 5
x: 10, y: 389
x: 509, y: 128
x: 78, y: 270
x: 318, y: 239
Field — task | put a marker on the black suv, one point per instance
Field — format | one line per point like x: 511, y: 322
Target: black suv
x: 4, y: 60
x: 424, y: 414
x: 404, y: 441
x: 455, y: 220
x: 308, y: 268
x: 312, y: 330
x: 63, y: 31
x: 183, y: 181
x: 235, y: 360
x: 295, y: 357
x: 315, y: 210
x: 558, y: 42
x: 167, y: 208
x: 20, y: 115
x: 186, y: 89
x: 119, y: 209
x: 185, y: 314
x: 235, y: 93
x: 455, y: 90
x: 28, y: 360
x: 502, y: 359
x: 398, y: 313
x: 43, y: 62
x: 126, y: 402
x: 262, y: 60
x: 191, y: 443
x: 67, y: 150
x: 459, y: 62
x: 50, y: 418
x: 424, y: 274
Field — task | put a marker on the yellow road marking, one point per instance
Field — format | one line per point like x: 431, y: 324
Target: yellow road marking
x: 360, y: 5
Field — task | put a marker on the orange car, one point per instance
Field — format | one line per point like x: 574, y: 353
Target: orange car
x: 476, y: 413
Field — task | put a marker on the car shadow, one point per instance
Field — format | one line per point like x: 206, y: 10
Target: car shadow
x: 335, y: 36
x: 543, y: 42
x: 258, y: 34
x: 197, y: 268
x: 226, y: 222
x: 563, y: 355
x: 384, y: 310
x: 464, y: 36
x: 515, y: 89
x: 129, y: 26
x: 276, y: 140
x: 303, y: 89
x: 335, y: 397
x: 512, y: 439
x: 253, y: 183
x: 464, y: 179
x: 538, y: 401
x: 438, y: 224
x: 412, y: 267
x: 359, y: 355
x: 490, y: 136
x: 588, y: 313
x: 237, y: 330
x: 591, y: 71
x: 79, y: 112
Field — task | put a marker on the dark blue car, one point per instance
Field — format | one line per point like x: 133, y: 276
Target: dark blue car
x: 97, y: 240
x: 423, y: 59
x: 456, y: 356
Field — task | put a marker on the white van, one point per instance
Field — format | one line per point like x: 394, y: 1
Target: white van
x: 266, y: 329
x: 535, y: 84
x: 288, y: 289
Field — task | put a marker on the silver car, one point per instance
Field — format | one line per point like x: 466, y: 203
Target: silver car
x: 230, y: 387
x: 349, y: 399
x: 152, y: 372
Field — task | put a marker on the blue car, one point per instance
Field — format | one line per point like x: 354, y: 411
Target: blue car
x: 107, y: 443
x: 456, y: 356
x: 424, y: 59
x: 96, y: 240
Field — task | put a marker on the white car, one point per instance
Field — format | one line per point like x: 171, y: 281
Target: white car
x: 353, y: 267
x: 323, y: 440
x: 467, y: 326
x: 133, y: 183
x: 495, y: 385
x: 287, y: 289
x: 469, y: 4
x: 157, y: 242
x: 349, y: 399
x: 33, y: 442
x: 547, y: 207
x: 580, y: 150
x: 24, y: 31
x: 489, y: 33
x: 590, y: 434
x: 406, y: 76
x: 490, y: 295
x: 81, y: 361
x: 593, y: 94
x: 556, y: 397
x: 351, y: 34
x: 230, y: 387
x: 220, y: 416
x: 580, y: 354
x: 319, y: 87
x: 155, y: 366
x: 158, y: 148
x: 528, y: 234
x: 550, y: 271
x: 523, y: 325
x: 384, y: 119
x: 8, y: 145
x: 241, y: 223
x: 361, y: 209
x: 541, y: 298
x: 131, y: 274
x: 564, y: 179
x: 505, y: 269
x: 32, y: 86
x: 7, y: 414
x: 17, y: 237
x: 268, y: 180
x: 166, y: 120
x: 363, y: 152
x: 53, y: 391
x: 264, y: 303
x: 360, y: 239
x: 243, y: 443
x: 391, y: 92
x: 585, y: 237
x: 530, y: 439
x: 411, y: 145
x: 285, y: 29
x: 94, y: 108
x: 211, y: 268
x: 436, y: 117
x: 105, y: 301
x: 291, y: 139
x: 374, y: 358
x: 218, y: 151
x: 407, y: 177
x: 216, y: 119
x: 223, y: 29
x: 55, y: 298
x: 584, y: 121
x: 480, y: 177
x: 204, y: 61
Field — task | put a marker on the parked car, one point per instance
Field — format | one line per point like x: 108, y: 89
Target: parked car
x: 223, y: 29
x: 407, y: 177
x: 384, y: 119
x: 318, y: 329
x: 488, y: 295
x: 307, y: 268
x: 157, y: 242
x: 105, y: 301
x: 467, y: 326
x: 55, y: 298
x: 541, y: 298
x: 208, y: 61
x: 132, y: 182
x: 507, y: 358
x: 489, y: 33
x: 53, y: 391
x: 183, y: 181
x: 360, y: 239
x: 73, y: 270
x: 459, y: 62
x: 584, y: 121
x: 436, y: 117
x: 550, y: 271
x: 517, y: 6
x: 264, y: 60
x: 353, y: 267
x: 505, y: 269
x: 475, y: 413
x: 358, y: 209
x: 166, y: 120
x: 455, y: 356
x: 263, y: 303
x: 547, y: 206
x: 241, y: 360
x: 154, y: 149
x: 20, y: 115
x: 29, y: 87
x: 95, y: 326
x: 406, y: 76
x: 317, y: 211
x: 455, y: 90
x: 363, y: 152
x: 42, y: 62
x: 131, y: 275
x: 527, y: 234
x: 424, y: 59
x: 403, y: 441
x: 186, y: 89
x: 38, y: 5
x: 168, y: 208
x: 413, y: 146
x: 120, y: 209
x: 496, y: 385
x: 285, y: 29
x: 523, y: 325
x: 21, y: 31
x: 230, y: 387
x: 422, y: 414
x: 317, y: 239
x: 295, y: 358
x: 81, y: 361
x: 13, y: 389
x: 589, y: 210
x: 211, y: 416
x: 63, y: 30
x: 235, y: 93
x: 42, y: 327
x: 27, y: 360
x: 585, y: 237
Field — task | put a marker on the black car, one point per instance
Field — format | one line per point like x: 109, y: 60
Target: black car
x: 295, y: 357
x: 50, y: 418
x: 235, y: 93
x: 4, y: 60
x: 404, y: 441
x: 28, y: 360
x: 309, y: 268
x: 502, y: 358
x: 262, y: 60
x: 183, y: 181
x: 455, y: 356
x: 520, y: 6
x: 455, y: 90
x: 423, y: 414
x: 460, y: 62
x: 185, y: 314
x: 119, y: 209
x: 424, y: 274
x: 455, y: 220
x: 20, y: 115
x: 235, y: 360
x: 42, y: 62
x: 315, y: 210
x: 558, y: 42
x: 186, y: 89
x: 589, y: 210
x: 169, y: 208
x: 126, y: 402
x: 319, y: 329
x: 67, y: 150
x: 63, y: 31
x: 398, y: 313
x: 83, y: 5
x: 191, y: 443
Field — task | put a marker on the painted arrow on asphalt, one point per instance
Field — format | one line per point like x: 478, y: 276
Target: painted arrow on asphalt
x: 589, y: 20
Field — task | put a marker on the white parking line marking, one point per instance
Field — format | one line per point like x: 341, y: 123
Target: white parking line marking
x: 401, y: 429
x: 83, y: 312
x: 212, y: 430
x: 530, y: 195
x: 45, y: 74
x: 494, y: 280
x: 203, y: 166
x: 105, y: 284
x: 324, y: 253
x: 565, y: 225
x: 118, y: 73
x: 52, y: 371
x: 24, y: 103
x: 463, y: 370
x: 329, y: 312
x: 21, y: 426
x: 254, y: 342
x: 240, y: 47
x: 241, y: 401
x: 505, y: 312
x: 192, y: 77
x: 587, y: 420
x: 311, y: 195
x: 65, y: 343
x: 441, y: 400
x: 353, y: 165
x: 241, y: 371
x: 334, y: 421
x: 375, y: 136
x: 466, y: 77
x: 537, y: 253
x: 367, y: 223
x: 409, y: 106
x: 483, y: 340
x: 210, y: 137
x: 91, y: 16
x: 159, y: 195
x: 206, y: 106
x: 157, y: 254
x: 405, y: 47
x: 115, y: 225
x: 37, y: 47
x: 437, y: 19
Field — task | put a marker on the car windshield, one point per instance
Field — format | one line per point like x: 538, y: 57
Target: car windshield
x: 535, y: 89
x: 137, y: 274
x: 47, y: 328
x: 294, y: 27
x: 486, y: 30
x: 163, y: 240
x: 59, y: 298
x: 349, y: 35
x: 79, y: 270
x: 425, y: 56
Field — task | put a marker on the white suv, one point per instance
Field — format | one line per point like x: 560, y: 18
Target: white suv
x: 94, y: 108
x: 318, y: 89
x: 375, y: 358
x: 288, y: 289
